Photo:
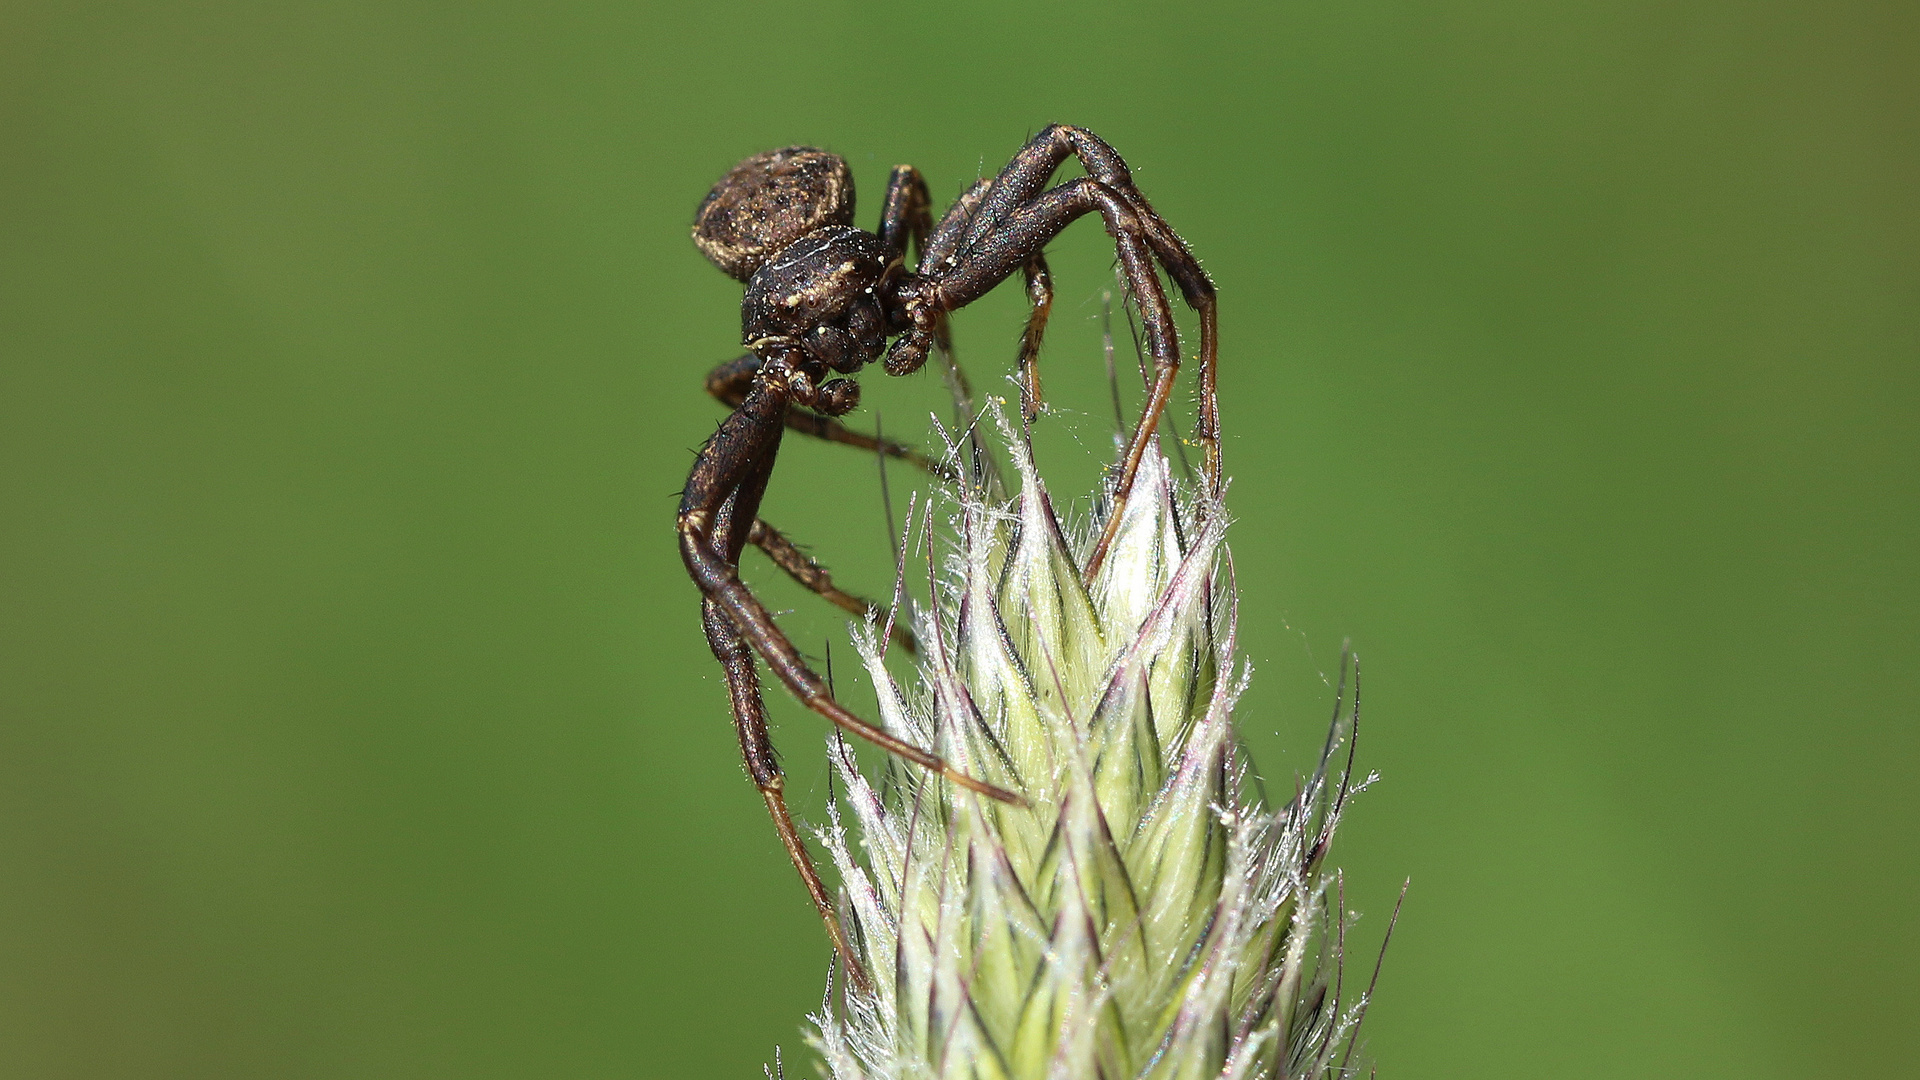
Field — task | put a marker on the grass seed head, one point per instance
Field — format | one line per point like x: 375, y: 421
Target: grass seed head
x: 1148, y: 916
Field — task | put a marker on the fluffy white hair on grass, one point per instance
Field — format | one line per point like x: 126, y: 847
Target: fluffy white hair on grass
x: 1148, y: 916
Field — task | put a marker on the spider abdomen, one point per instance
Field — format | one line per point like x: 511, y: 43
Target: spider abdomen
x: 767, y: 202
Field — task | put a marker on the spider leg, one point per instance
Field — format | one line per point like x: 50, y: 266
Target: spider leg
x: 907, y: 212
x: 722, y: 497
x: 1020, y: 236
x: 1031, y: 169
x: 946, y: 236
x: 906, y: 215
x: 1019, y: 184
x: 730, y: 382
x: 763, y: 766
x: 1039, y: 282
x: 804, y: 570
x: 718, y: 517
x: 737, y: 507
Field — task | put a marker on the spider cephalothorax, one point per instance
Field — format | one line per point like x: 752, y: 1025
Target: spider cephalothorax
x: 822, y: 293
x: 779, y: 221
x: 822, y: 299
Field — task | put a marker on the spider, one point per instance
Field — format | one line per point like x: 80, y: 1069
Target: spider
x: 823, y: 297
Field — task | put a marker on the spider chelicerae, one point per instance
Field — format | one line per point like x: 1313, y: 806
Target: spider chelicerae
x: 822, y: 299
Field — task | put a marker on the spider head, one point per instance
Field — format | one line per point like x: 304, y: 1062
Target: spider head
x: 818, y: 295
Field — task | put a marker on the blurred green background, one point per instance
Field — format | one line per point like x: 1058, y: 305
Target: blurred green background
x: 354, y: 716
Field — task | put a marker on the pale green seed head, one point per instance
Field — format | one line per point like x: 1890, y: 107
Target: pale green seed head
x: 1147, y: 916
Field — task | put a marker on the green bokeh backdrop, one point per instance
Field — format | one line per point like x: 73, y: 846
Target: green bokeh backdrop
x: 354, y: 718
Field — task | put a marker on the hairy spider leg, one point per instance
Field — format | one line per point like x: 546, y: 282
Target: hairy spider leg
x: 1039, y: 281
x: 930, y: 243
x: 732, y: 522
x: 935, y: 256
x: 717, y: 511
x: 801, y: 568
x: 1021, y: 235
x: 946, y: 236
x: 907, y: 212
x: 721, y: 499
x: 730, y: 382
x: 763, y: 766
x: 1034, y: 166
x: 1020, y: 183
x: 953, y: 226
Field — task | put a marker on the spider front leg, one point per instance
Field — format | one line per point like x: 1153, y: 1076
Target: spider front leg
x: 953, y: 226
x: 907, y: 212
x: 721, y: 498
x: 1039, y: 281
x: 745, y: 457
x: 730, y: 382
x: 1027, y: 174
x: 906, y: 216
x: 718, y: 509
x: 939, y: 251
x: 1019, y: 185
x: 1013, y: 243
